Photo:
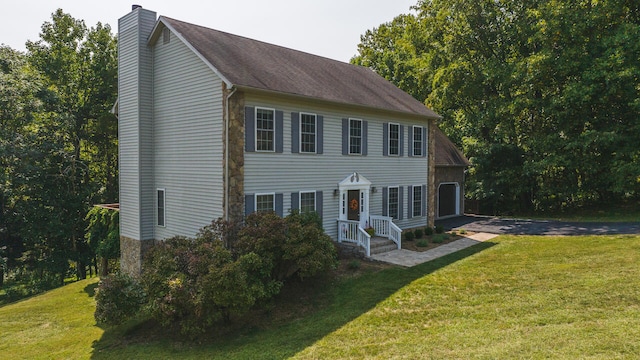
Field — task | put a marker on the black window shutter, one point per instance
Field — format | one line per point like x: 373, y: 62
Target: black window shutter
x: 385, y: 201
x: 295, y: 201
x: 424, y: 200
x: 410, y: 149
x: 279, y: 204
x: 364, y: 137
x: 410, y: 201
x: 319, y: 203
x: 385, y: 140
x: 249, y: 129
x: 320, y: 135
x: 295, y: 132
x: 279, y: 131
x: 345, y: 136
x: 424, y: 141
x: 401, y: 140
x: 400, y: 202
x: 249, y: 205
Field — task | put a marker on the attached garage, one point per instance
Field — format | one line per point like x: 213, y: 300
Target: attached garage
x: 449, y: 177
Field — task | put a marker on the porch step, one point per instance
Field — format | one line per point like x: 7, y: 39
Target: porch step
x: 381, y: 245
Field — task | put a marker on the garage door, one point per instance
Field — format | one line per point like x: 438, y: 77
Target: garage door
x: 447, y: 195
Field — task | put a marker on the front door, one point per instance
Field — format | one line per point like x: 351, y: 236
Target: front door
x: 353, y: 205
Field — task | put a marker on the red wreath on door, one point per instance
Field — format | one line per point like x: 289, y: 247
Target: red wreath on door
x: 353, y: 205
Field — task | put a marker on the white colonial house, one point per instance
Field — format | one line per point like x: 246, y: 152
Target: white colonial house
x: 217, y: 125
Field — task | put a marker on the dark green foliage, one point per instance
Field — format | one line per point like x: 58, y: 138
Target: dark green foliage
x: 409, y: 236
x: 422, y: 243
x: 354, y: 264
x: 227, y: 270
x: 103, y: 234
x: 428, y: 231
x: 439, y: 238
x: 542, y: 96
x: 439, y: 229
x: 418, y: 233
x: 119, y: 298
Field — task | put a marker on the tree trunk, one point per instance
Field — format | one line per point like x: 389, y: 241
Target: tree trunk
x: 104, y: 266
x: 81, y: 270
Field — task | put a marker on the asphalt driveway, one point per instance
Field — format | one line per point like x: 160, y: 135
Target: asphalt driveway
x: 478, y: 223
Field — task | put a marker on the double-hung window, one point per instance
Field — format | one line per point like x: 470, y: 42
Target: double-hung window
x: 161, y: 207
x: 393, y: 202
x: 307, y: 202
x: 265, y: 202
x: 417, y: 141
x: 355, y: 136
x: 394, y: 139
x: 417, y: 201
x: 265, y: 129
x: 308, y: 133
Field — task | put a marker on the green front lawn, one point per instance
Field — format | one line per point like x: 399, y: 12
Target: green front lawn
x: 515, y: 297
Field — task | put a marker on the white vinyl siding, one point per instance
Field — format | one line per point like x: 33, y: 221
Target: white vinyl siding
x: 187, y: 146
x: 291, y: 173
x: 265, y: 129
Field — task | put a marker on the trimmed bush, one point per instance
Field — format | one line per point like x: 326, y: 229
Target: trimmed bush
x: 422, y: 243
x: 353, y: 265
x: 418, y: 233
x: 440, y: 238
x: 409, y: 236
x: 439, y: 229
x: 428, y: 231
x: 119, y: 297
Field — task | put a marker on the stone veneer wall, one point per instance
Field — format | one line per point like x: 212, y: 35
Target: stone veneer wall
x: 235, y: 187
x: 431, y: 175
x: 132, y: 254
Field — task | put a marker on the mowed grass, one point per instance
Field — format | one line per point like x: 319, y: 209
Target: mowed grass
x: 515, y: 297
x: 58, y: 324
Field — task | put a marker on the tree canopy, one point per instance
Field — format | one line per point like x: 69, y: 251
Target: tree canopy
x: 58, y: 145
x: 542, y: 95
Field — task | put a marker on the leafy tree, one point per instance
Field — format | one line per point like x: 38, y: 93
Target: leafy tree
x: 103, y: 235
x: 542, y: 95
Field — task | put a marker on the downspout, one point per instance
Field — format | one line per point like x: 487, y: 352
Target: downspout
x: 226, y: 154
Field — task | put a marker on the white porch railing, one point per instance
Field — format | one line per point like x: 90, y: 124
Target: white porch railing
x: 350, y: 231
x: 385, y: 227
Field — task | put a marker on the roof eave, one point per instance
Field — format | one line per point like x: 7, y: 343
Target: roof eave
x: 330, y: 102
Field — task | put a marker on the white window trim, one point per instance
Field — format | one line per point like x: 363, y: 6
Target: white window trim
x: 389, y: 139
x: 255, y: 200
x: 389, y: 202
x: 413, y: 141
x: 315, y: 205
x: 315, y: 144
x: 361, y: 136
x: 413, y: 200
x: 255, y: 134
x: 164, y: 208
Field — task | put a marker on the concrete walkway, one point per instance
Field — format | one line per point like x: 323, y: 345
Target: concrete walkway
x: 410, y: 258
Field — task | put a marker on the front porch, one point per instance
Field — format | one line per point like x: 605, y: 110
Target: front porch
x: 387, y: 235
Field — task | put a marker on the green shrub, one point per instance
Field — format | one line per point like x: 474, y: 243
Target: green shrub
x: 439, y: 229
x: 440, y: 238
x: 409, y: 236
x: 462, y: 231
x: 428, y: 231
x: 353, y: 265
x: 422, y: 243
x: 418, y: 233
x: 118, y: 298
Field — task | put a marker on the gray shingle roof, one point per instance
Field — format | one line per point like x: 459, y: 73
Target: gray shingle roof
x: 255, y: 64
x: 447, y: 154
